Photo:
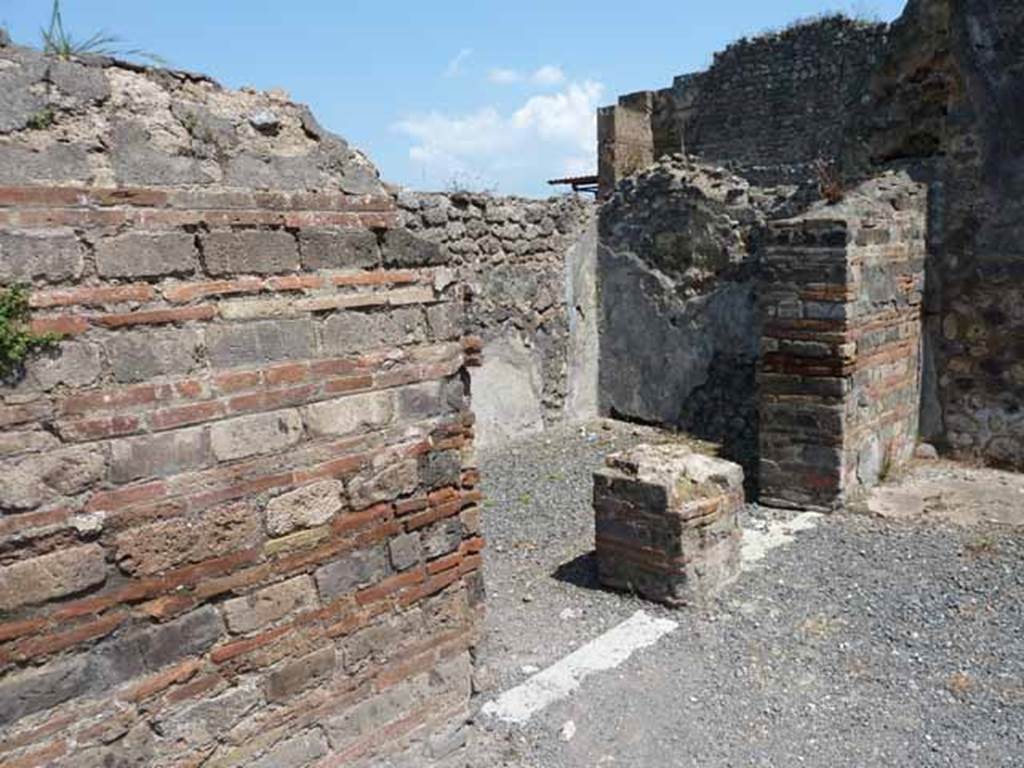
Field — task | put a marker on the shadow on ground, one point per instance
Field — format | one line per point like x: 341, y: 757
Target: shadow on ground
x: 580, y: 572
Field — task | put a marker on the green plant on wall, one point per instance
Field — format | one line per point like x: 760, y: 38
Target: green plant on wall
x: 57, y: 41
x: 17, y: 341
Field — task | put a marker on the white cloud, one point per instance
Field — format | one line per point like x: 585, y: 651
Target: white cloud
x: 548, y: 135
x: 548, y: 75
x: 568, y: 116
x: 454, y: 68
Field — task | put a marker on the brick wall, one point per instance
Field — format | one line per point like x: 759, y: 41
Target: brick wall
x: 238, y: 505
x: 242, y: 486
x: 839, y: 381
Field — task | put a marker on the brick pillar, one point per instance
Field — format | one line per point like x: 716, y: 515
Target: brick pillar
x: 625, y: 139
x: 839, y: 381
x: 667, y: 525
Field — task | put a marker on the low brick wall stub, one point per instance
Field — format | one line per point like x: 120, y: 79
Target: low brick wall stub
x: 839, y: 378
x: 238, y: 505
x: 667, y: 523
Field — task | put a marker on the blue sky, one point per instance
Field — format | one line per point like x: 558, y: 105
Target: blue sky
x: 487, y: 94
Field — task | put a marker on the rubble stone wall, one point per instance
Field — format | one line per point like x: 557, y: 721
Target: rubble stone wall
x: 767, y: 108
x: 839, y: 381
x: 678, y: 274
x: 238, y: 505
x: 770, y: 106
x: 517, y: 258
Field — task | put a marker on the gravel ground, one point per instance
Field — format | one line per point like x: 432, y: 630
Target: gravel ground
x: 867, y: 642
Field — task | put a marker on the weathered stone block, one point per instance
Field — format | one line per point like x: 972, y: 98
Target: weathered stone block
x: 19, y: 164
x: 440, y: 469
x: 141, y: 355
x: 295, y: 752
x: 12, y: 443
x: 404, y: 249
x: 21, y: 489
x: 667, y: 523
x: 446, y: 321
x: 375, y: 643
x: 405, y: 551
x: 148, y: 649
x: 305, y: 507
x: 203, y: 721
x: 294, y: 676
x: 338, y: 249
x: 383, y: 484
x: 47, y: 577
x: 348, y: 332
x: 73, y: 470
x: 137, y: 160
x: 244, y: 614
x: 146, y: 255
x: 347, y: 415
x: 135, y: 749
x: 442, y: 538
x: 27, y: 483
x: 52, y: 255
x: 159, y: 455
x: 237, y: 344
x: 255, y: 435
x: 429, y: 399
x: 82, y: 85
x: 250, y: 252
x: 374, y: 713
x: 159, y: 546
x: 452, y: 676
x: 190, y: 635
x: 355, y: 569
x: 34, y: 690
x: 73, y: 364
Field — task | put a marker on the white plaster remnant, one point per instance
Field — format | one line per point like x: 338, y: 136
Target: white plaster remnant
x: 758, y: 543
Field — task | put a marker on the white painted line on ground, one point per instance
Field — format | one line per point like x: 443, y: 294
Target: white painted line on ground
x: 563, y: 677
x: 758, y: 543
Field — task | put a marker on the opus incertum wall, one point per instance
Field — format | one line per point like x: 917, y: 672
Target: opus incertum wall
x: 238, y: 520
x: 528, y: 268
x: 767, y: 108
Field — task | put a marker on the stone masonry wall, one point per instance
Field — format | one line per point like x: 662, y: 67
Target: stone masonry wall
x: 770, y: 106
x: 766, y: 109
x: 839, y: 380
x: 513, y: 255
x: 238, y: 519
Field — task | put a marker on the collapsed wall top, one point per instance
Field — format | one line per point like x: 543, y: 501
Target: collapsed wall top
x: 101, y: 122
